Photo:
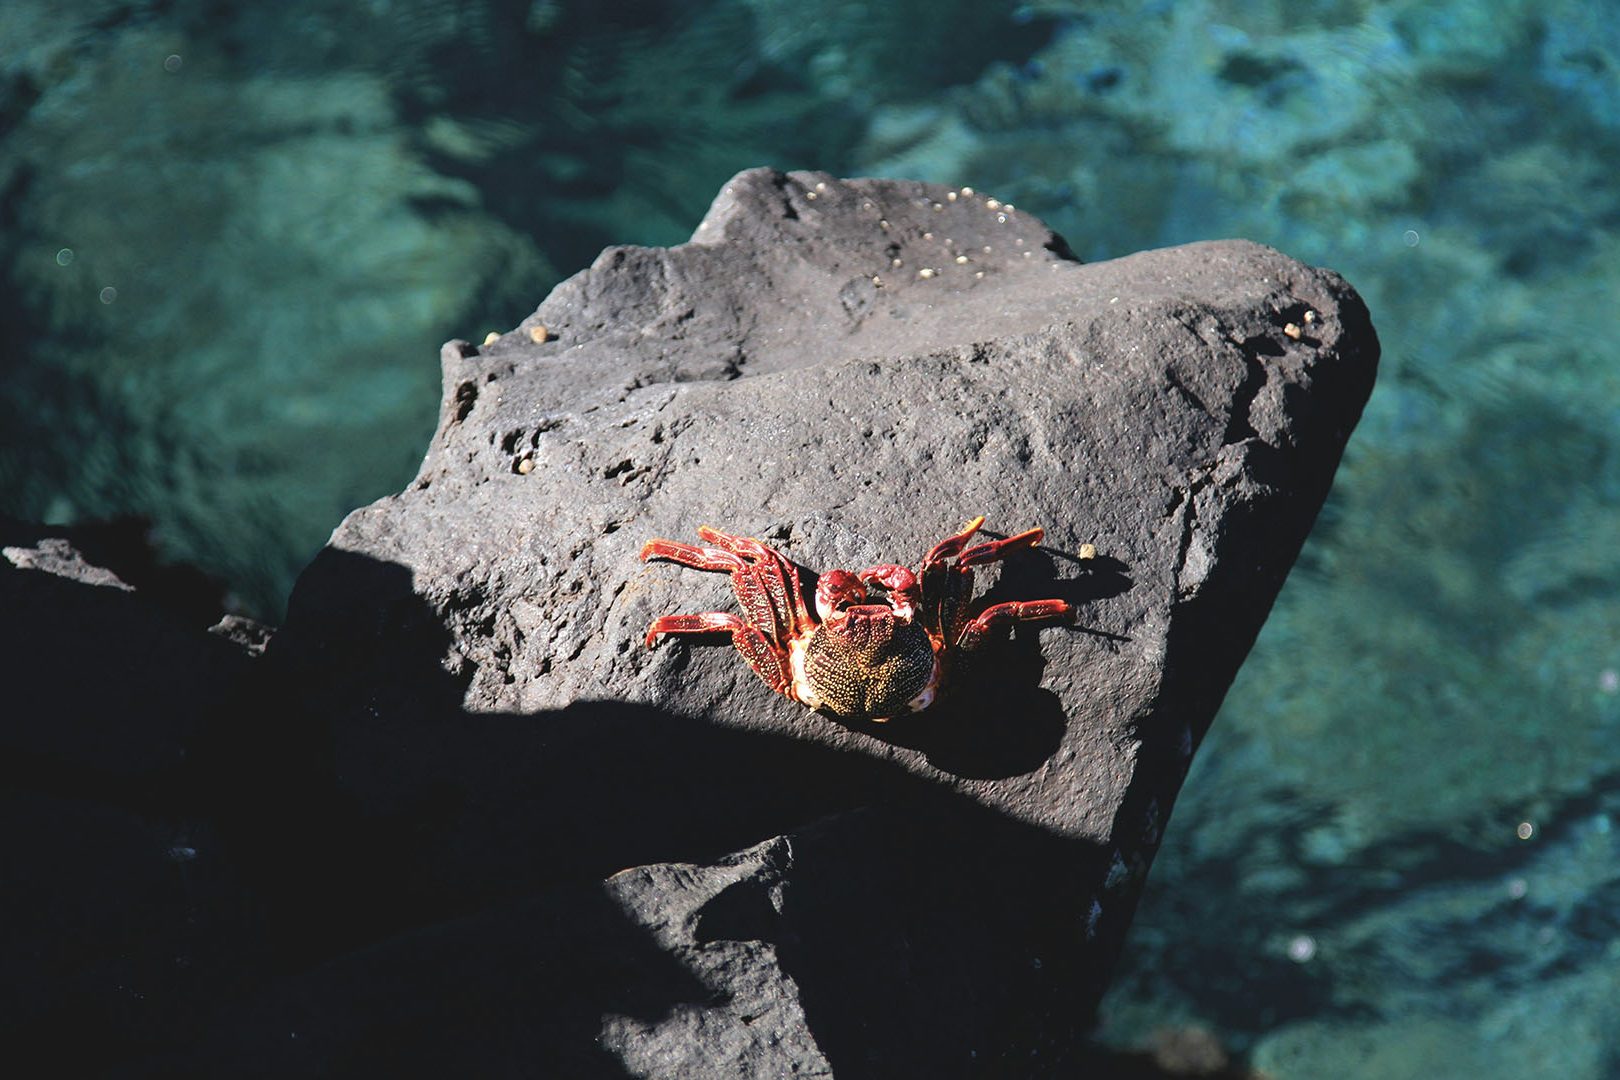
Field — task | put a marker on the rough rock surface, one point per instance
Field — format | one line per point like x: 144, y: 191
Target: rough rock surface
x: 456, y: 819
x: 849, y: 369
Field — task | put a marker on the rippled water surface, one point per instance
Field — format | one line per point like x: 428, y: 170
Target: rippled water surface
x: 232, y: 237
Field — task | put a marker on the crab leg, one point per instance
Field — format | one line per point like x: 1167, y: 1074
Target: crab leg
x: 767, y: 585
x: 703, y: 623
x: 999, y: 549
x: 768, y: 588
x: 769, y: 662
x: 999, y: 615
x: 948, y: 587
x: 766, y: 660
x: 951, y: 545
x: 699, y: 558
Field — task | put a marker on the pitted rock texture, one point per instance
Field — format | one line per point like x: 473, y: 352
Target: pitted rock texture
x: 848, y: 370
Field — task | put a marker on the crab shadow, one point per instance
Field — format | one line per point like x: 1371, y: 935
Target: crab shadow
x: 994, y: 719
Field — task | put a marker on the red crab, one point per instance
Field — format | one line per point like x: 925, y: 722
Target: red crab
x: 884, y: 635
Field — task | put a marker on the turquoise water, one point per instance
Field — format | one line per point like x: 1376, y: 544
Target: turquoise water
x: 232, y: 238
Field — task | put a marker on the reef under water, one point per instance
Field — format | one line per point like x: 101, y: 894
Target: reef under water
x: 232, y: 237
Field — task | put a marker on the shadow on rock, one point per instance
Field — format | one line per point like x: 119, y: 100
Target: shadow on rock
x: 1095, y: 577
x: 992, y: 720
x: 433, y: 878
x: 517, y: 990
x: 120, y: 921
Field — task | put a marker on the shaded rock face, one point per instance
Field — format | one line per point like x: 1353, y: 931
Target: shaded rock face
x: 456, y: 818
x: 849, y: 370
x: 120, y: 920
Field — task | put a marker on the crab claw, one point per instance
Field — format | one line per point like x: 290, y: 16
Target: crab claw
x: 837, y: 588
x: 905, y: 593
x: 953, y: 545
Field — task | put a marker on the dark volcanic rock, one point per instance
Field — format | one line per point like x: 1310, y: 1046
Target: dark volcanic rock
x: 104, y: 687
x: 849, y: 369
x: 120, y: 919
